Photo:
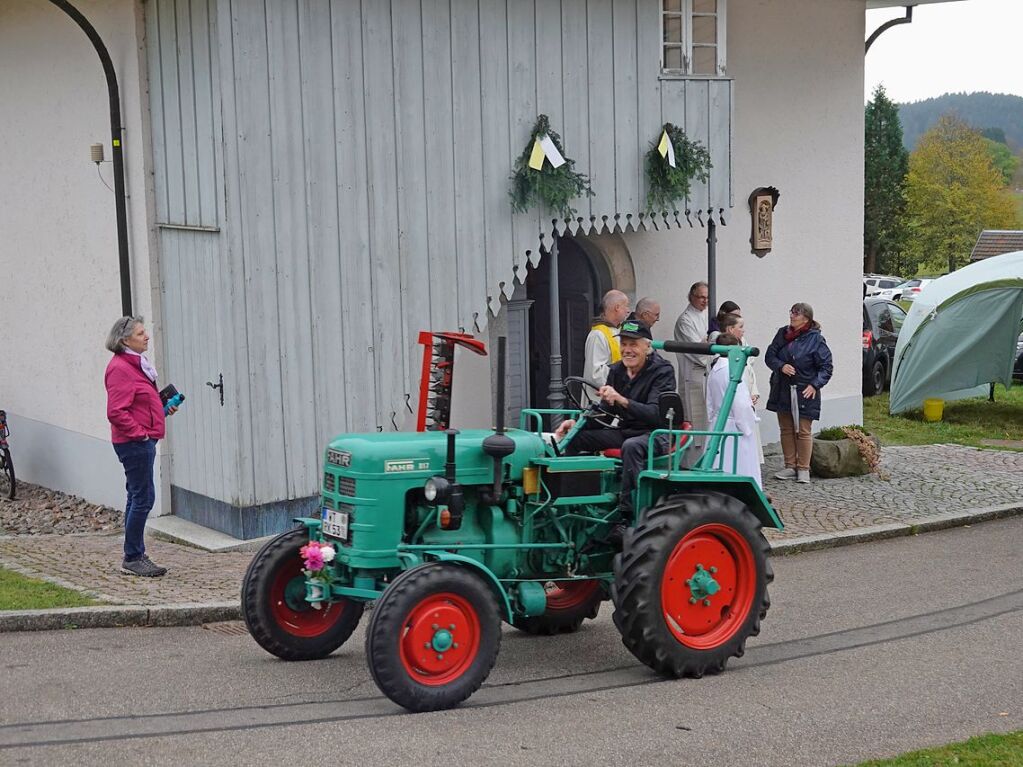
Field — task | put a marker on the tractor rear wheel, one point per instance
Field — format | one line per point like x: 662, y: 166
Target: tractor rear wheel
x: 569, y: 603
x: 433, y: 637
x: 275, y: 610
x: 691, y: 583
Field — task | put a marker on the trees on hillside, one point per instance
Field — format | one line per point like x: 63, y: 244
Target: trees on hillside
x: 1004, y: 160
x: 885, y: 166
x: 953, y: 192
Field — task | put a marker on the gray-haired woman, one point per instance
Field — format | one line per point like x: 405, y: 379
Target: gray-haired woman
x: 137, y: 422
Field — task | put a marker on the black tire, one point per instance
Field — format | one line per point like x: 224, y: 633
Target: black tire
x: 454, y: 596
x: 8, y: 482
x: 565, y: 615
x: 276, y: 613
x: 681, y: 526
x: 873, y: 384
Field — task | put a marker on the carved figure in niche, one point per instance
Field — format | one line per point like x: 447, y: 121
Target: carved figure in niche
x: 761, y: 207
x: 764, y: 221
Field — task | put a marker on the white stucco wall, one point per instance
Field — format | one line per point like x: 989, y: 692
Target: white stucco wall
x: 798, y: 67
x: 58, y: 238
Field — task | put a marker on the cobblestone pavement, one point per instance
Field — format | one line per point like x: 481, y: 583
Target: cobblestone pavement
x: 921, y: 482
x: 915, y: 483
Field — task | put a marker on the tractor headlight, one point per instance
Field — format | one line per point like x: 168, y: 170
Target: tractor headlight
x: 436, y: 490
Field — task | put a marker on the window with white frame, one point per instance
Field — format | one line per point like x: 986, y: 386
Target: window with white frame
x: 694, y: 37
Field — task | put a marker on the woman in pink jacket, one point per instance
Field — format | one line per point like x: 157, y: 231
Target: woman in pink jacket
x: 137, y: 423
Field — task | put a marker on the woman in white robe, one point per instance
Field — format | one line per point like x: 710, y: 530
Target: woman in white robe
x: 741, y: 418
x: 736, y: 326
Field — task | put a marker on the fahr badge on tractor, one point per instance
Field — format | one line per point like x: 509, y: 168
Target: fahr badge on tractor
x: 450, y: 533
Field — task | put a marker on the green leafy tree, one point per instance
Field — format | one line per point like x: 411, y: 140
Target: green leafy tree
x: 884, y: 198
x: 953, y: 192
x: 1003, y: 159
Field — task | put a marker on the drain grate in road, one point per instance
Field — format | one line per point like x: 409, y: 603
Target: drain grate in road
x: 228, y: 628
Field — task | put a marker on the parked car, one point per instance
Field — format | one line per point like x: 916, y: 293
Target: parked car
x: 878, y: 282
x: 905, y: 291
x: 882, y: 321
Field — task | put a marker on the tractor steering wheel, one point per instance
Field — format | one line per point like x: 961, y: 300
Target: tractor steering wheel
x: 594, y: 411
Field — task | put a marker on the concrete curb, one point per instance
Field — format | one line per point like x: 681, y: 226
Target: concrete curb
x: 893, y: 529
x: 118, y: 616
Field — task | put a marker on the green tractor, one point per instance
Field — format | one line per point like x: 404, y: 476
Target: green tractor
x: 450, y: 533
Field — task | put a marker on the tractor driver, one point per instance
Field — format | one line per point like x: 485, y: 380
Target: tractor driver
x: 633, y: 387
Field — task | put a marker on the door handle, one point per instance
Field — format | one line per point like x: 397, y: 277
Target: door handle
x: 219, y: 385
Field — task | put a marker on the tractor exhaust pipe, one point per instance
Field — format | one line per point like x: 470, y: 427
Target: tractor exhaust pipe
x: 501, y: 362
x: 498, y: 445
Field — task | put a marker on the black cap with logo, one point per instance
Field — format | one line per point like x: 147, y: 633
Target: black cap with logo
x: 635, y: 329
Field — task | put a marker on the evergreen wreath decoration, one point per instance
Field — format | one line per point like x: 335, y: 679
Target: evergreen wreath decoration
x: 551, y: 187
x: 666, y: 185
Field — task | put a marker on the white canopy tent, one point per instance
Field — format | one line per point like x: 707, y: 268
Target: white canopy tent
x: 960, y: 334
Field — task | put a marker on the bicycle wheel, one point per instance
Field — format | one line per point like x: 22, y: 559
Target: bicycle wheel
x: 8, y: 484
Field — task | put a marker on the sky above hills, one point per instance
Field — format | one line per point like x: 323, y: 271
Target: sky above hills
x: 971, y: 45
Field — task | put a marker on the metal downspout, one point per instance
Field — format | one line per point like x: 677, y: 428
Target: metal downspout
x: 116, y: 131
x: 907, y: 19
x: 712, y: 268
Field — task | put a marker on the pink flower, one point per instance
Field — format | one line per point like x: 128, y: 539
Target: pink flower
x: 312, y: 555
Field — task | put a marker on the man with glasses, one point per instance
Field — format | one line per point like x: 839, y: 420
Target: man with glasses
x: 691, y: 327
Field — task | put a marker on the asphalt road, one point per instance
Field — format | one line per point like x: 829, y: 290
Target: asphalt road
x: 868, y: 651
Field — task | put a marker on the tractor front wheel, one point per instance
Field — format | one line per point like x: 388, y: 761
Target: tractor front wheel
x: 691, y: 583
x: 433, y: 637
x: 569, y: 603
x: 275, y: 609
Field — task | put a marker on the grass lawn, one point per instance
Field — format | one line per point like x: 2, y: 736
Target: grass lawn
x: 965, y: 422
x: 18, y: 592
x: 984, y: 751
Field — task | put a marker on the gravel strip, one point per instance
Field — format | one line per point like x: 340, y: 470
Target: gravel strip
x: 40, y: 511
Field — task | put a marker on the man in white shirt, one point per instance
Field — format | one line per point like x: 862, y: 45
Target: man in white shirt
x: 602, y: 349
x: 691, y: 326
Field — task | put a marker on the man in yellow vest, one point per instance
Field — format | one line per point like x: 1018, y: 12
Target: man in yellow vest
x: 602, y: 349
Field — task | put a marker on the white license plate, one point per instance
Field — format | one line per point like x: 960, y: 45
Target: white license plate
x: 335, y: 524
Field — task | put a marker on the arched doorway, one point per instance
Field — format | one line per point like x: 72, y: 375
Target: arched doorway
x: 583, y: 278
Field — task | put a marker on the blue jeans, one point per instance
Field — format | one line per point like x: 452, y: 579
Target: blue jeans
x: 138, y: 459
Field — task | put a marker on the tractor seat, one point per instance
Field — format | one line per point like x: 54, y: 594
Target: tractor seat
x: 616, y: 452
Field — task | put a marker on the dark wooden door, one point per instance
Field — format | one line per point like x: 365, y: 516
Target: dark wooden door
x: 579, y: 293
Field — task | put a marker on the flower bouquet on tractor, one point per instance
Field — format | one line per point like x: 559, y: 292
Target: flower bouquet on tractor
x: 450, y: 533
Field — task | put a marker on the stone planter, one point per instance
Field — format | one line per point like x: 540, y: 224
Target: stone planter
x: 832, y: 458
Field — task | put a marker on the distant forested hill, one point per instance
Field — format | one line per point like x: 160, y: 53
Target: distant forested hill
x: 981, y: 110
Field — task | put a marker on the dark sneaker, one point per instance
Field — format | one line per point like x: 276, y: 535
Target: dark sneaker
x: 144, y: 567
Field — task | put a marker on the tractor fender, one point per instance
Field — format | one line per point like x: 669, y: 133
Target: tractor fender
x: 446, y: 556
x: 654, y: 485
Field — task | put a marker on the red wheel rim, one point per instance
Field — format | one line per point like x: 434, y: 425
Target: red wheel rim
x: 698, y: 624
x: 569, y: 594
x: 440, y: 639
x: 306, y: 621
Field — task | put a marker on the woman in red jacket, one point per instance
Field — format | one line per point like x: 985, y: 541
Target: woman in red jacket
x: 137, y: 423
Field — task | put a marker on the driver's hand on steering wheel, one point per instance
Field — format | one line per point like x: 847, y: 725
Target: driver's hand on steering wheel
x: 611, y: 396
x: 563, y: 428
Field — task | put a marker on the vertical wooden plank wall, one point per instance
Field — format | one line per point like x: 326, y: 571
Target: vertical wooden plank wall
x: 323, y: 226
x: 494, y: 99
x: 357, y: 154
x: 196, y: 332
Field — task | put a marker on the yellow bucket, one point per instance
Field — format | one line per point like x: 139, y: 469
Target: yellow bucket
x: 933, y: 409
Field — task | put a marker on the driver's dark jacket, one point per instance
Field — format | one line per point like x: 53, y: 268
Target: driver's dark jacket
x: 642, y: 414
